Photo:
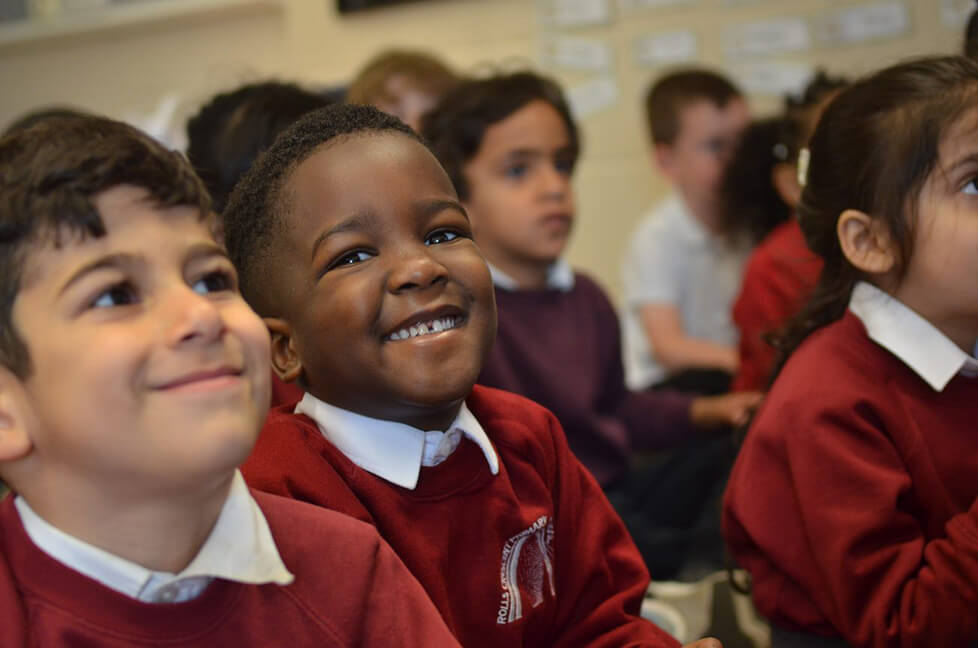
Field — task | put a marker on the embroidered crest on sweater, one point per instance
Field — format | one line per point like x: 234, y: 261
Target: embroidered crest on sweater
x: 527, y: 570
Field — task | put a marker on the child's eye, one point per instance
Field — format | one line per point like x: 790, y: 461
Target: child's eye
x: 121, y: 294
x: 516, y: 171
x: 216, y: 281
x: 441, y: 236
x: 350, y: 258
x: 565, y: 166
x: 972, y: 187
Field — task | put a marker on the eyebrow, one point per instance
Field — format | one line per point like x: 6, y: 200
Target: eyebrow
x: 970, y: 158
x: 366, y: 219
x: 107, y: 262
x: 124, y: 259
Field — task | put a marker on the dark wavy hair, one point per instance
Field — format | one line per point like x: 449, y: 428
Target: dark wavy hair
x: 873, y: 150
x: 455, y: 128
x: 49, y: 175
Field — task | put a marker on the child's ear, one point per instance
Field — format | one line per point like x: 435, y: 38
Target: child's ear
x: 16, y: 418
x: 662, y: 158
x: 784, y: 178
x: 285, y: 360
x: 866, y: 242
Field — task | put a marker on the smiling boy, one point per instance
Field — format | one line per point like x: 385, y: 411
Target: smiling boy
x: 354, y: 247
x: 133, y: 381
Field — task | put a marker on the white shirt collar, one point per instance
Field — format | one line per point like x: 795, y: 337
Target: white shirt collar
x: 394, y: 451
x: 560, y: 276
x: 239, y: 548
x: 910, y: 337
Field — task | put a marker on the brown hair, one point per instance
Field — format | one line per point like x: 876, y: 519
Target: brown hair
x: 667, y: 97
x: 50, y: 173
x: 873, y: 150
x: 423, y: 70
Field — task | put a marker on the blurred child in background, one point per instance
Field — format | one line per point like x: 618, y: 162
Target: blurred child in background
x: 760, y: 194
x: 681, y: 273
x: 403, y: 83
x: 230, y: 130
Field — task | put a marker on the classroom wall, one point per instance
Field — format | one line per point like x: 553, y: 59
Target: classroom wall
x: 163, y: 58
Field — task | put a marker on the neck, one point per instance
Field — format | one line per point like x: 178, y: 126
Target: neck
x: 528, y: 275
x: 162, y: 531
x: 704, y: 212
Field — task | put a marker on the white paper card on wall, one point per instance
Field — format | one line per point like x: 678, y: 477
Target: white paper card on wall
x: 768, y: 37
x: 592, y: 96
x: 575, y: 13
x: 955, y: 13
x: 577, y: 53
x: 628, y: 5
x: 773, y: 78
x: 863, y: 23
x: 666, y: 48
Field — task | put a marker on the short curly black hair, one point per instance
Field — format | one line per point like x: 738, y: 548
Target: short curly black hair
x: 254, y: 216
x: 230, y: 130
x: 458, y: 123
x: 50, y: 174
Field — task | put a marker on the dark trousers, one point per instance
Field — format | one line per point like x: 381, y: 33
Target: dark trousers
x: 670, y: 502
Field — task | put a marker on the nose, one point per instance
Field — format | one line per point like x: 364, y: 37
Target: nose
x: 555, y: 182
x: 191, y: 317
x: 415, y: 268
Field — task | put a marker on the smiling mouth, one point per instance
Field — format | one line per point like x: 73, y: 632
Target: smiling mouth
x: 429, y: 327
x: 202, y: 379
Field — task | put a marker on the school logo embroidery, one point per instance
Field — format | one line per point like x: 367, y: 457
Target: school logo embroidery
x: 527, y: 568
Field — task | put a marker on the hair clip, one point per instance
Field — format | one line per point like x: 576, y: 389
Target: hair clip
x: 804, y: 156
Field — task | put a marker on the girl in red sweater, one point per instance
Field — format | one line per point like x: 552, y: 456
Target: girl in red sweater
x: 853, y: 500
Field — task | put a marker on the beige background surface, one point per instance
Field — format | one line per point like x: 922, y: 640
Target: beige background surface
x: 125, y: 64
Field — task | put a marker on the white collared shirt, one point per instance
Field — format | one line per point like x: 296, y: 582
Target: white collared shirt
x: 239, y: 548
x: 560, y: 276
x: 910, y: 337
x: 394, y: 451
x: 673, y: 259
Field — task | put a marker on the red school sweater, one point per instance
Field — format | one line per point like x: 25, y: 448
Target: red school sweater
x: 532, y: 556
x: 780, y: 275
x: 853, y: 500
x: 349, y: 590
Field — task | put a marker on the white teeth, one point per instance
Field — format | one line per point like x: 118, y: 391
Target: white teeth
x: 424, y: 328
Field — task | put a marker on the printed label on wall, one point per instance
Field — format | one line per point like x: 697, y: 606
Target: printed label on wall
x: 772, y: 78
x: 666, y: 48
x: 575, y: 13
x: 863, y: 23
x: 768, y: 37
x: 592, y: 96
x: 577, y: 53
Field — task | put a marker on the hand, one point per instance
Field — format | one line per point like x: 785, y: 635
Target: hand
x: 730, y: 409
x: 709, y: 642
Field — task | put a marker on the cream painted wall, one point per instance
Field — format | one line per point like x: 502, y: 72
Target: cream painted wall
x: 125, y: 71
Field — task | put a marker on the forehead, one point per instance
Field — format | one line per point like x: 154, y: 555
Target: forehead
x: 703, y: 117
x: 537, y: 125
x: 128, y: 214
x: 961, y: 138
x: 364, y: 171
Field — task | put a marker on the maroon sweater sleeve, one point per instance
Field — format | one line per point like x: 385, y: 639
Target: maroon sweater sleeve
x: 601, y: 576
x: 853, y: 508
x: 379, y: 602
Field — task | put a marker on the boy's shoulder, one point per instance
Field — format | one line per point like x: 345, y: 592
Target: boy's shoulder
x: 516, y: 424
x: 302, y: 530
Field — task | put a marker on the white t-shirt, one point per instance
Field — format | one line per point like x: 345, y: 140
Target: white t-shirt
x: 673, y: 259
